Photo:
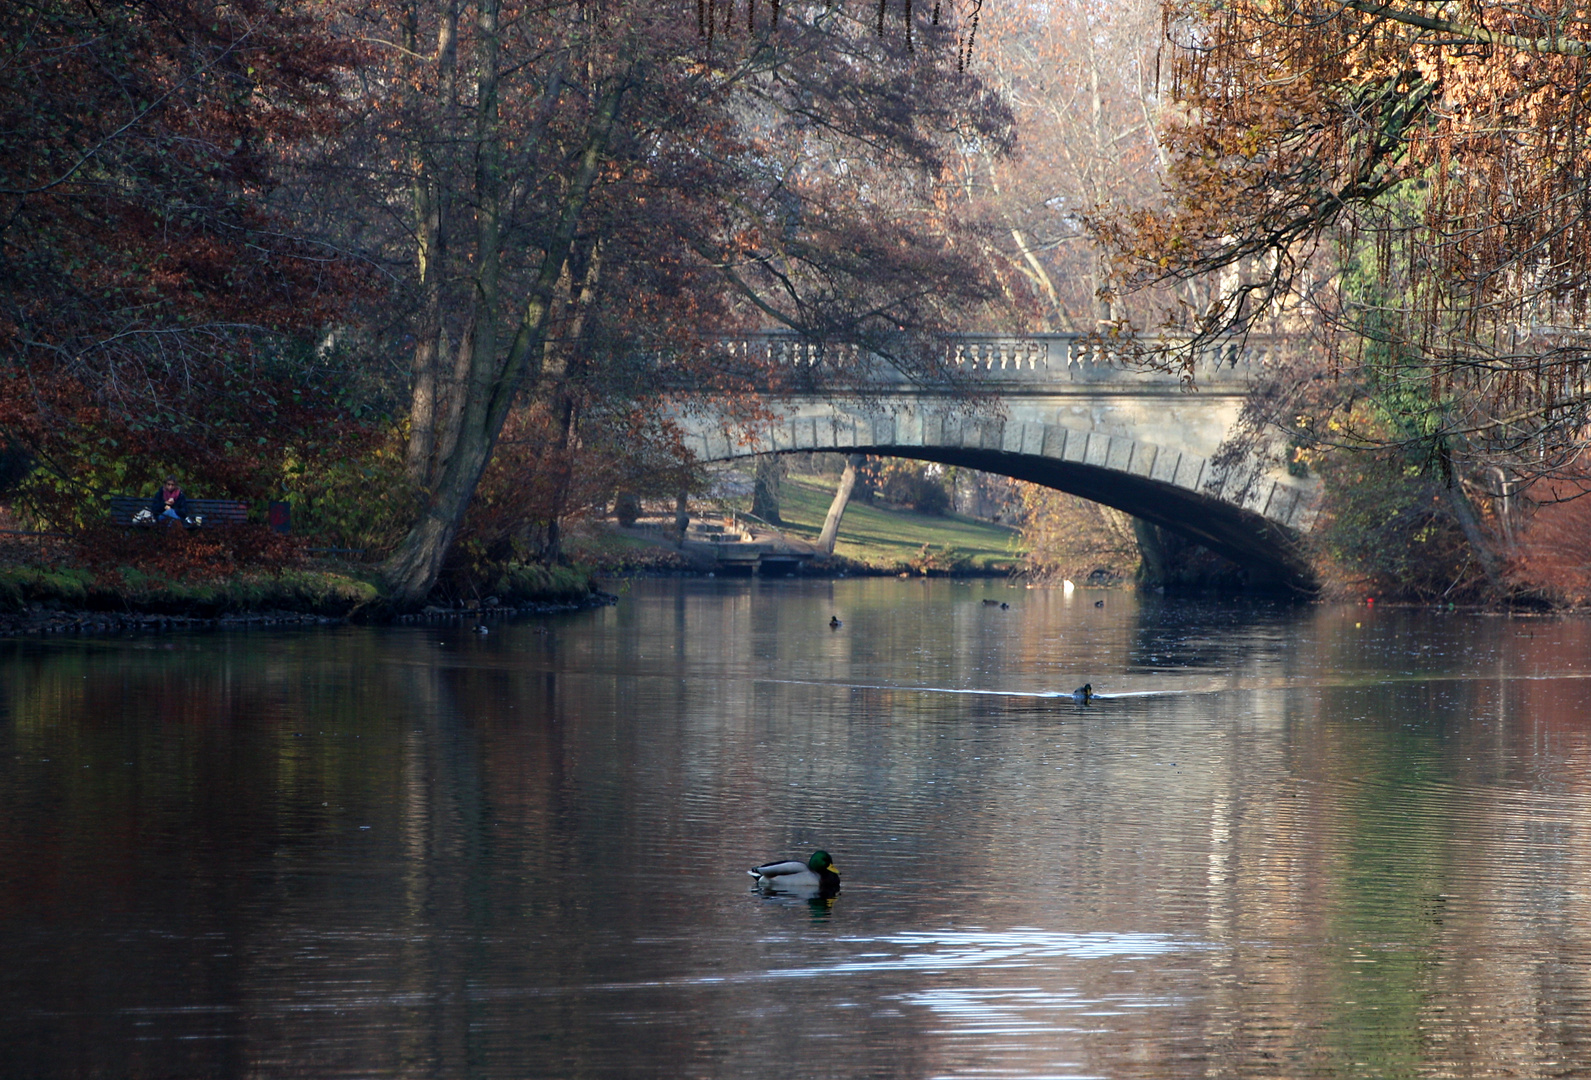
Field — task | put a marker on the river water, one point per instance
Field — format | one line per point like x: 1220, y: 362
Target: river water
x: 1284, y: 841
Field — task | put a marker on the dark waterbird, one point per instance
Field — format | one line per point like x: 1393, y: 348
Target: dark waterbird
x: 834, y: 622
x: 1083, y: 694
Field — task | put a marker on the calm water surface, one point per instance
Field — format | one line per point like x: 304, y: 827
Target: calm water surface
x: 1287, y: 842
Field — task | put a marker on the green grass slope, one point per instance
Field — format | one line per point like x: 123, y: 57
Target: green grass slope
x: 895, y: 537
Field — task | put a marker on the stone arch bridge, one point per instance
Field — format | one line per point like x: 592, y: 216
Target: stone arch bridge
x: 1061, y: 411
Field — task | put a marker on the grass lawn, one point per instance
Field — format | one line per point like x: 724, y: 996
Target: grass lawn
x: 607, y: 551
x: 598, y: 544
x: 880, y: 537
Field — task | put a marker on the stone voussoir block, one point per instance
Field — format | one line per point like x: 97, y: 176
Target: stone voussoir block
x: 1118, y: 455
x: 1143, y: 459
x: 1077, y: 445
x: 1054, y: 442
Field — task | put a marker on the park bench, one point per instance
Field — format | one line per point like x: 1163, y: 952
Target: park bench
x: 214, y: 511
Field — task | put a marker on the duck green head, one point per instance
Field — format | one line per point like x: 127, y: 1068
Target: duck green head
x: 820, y: 862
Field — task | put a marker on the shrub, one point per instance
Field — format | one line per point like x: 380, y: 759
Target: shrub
x: 1068, y: 537
x: 538, y: 582
x: 907, y: 483
x: 24, y: 585
x: 1386, y: 527
x: 947, y: 560
x: 1554, y: 553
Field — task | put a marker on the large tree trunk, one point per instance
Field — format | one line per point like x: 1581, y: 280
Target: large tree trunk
x: 471, y: 433
x: 842, y: 495
x: 426, y: 193
x: 1480, y: 544
x: 562, y: 369
x: 449, y: 410
x: 412, y: 569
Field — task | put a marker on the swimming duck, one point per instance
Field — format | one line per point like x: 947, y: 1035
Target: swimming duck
x: 817, y: 873
x: 481, y: 628
x: 834, y: 622
x: 1083, y: 694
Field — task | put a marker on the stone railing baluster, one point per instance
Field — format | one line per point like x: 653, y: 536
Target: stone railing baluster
x: 1017, y: 357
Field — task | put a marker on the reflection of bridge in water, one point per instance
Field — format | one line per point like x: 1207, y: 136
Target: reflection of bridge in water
x: 1056, y: 410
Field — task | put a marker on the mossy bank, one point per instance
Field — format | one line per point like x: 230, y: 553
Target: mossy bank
x: 50, y: 599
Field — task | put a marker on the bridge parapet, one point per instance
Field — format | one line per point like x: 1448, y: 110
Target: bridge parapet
x: 1034, y: 360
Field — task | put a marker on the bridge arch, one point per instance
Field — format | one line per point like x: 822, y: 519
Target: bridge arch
x: 1060, y: 410
x: 1252, y: 515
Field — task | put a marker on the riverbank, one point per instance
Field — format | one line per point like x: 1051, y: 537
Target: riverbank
x: 44, y: 599
x: 874, y: 540
x: 83, y: 623
x: 891, y: 540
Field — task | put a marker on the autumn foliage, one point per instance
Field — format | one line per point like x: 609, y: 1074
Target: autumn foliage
x: 1400, y: 189
x: 575, y: 202
x: 155, y: 314
x: 1554, y: 555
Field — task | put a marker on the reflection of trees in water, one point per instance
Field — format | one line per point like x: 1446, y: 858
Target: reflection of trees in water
x: 1243, y: 636
x: 1385, y: 869
x: 1395, y: 891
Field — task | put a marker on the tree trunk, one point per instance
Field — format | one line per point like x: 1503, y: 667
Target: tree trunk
x: 562, y: 365
x: 450, y: 405
x: 1479, y: 542
x: 493, y: 381
x: 842, y: 495
x: 1104, y: 309
x: 568, y: 415
x: 427, y: 336
x: 626, y: 508
x: 765, y: 489
x: 1154, y: 561
x: 682, y: 515
x: 426, y: 193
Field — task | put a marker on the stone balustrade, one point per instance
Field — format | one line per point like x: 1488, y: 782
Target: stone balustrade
x: 1036, y: 360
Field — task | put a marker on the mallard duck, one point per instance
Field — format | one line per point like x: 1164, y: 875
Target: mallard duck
x: 816, y: 874
x: 1083, y: 694
x: 480, y: 628
x: 834, y: 622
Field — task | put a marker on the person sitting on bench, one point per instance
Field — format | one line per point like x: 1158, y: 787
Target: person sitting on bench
x: 169, y: 505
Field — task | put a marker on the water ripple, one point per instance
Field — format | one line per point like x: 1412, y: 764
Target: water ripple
x: 947, y: 950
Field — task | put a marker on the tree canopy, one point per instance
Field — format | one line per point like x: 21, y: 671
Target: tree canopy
x: 260, y: 245
x: 565, y: 192
x: 1411, y: 184
x: 153, y: 308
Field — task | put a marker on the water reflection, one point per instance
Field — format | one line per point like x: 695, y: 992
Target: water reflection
x: 1283, y: 842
